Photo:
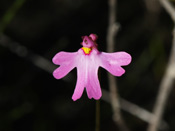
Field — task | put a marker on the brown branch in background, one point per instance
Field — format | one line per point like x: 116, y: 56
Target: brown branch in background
x: 169, y: 8
x: 168, y: 79
x: 23, y: 52
x: 112, y: 30
x: 134, y: 110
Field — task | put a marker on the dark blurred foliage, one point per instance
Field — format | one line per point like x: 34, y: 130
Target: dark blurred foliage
x: 32, y: 100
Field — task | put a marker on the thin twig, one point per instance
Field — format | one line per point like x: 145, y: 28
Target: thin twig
x: 169, y: 8
x: 164, y: 91
x: 112, y: 30
x: 22, y: 51
x: 168, y: 79
x: 135, y: 110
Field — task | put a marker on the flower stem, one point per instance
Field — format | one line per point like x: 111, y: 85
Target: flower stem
x: 97, y: 122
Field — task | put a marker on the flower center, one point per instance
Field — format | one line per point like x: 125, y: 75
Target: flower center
x: 86, y: 50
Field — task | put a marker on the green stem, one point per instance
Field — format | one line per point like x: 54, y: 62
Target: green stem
x: 10, y: 13
x: 97, y: 128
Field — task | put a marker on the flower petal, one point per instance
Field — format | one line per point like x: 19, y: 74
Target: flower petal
x: 64, y: 58
x: 87, y: 69
x: 80, y: 85
x: 62, y: 71
x: 66, y: 61
x: 93, y: 86
x: 112, y: 62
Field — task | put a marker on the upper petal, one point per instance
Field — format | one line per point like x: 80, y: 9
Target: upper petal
x: 117, y: 58
x: 112, y: 62
x: 64, y: 58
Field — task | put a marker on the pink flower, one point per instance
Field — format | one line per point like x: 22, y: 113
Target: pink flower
x: 87, y: 60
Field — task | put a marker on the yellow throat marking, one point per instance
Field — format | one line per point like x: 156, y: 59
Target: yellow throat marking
x: 86, y: 50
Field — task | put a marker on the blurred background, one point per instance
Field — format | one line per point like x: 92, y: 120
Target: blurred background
x: 33, y: 31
